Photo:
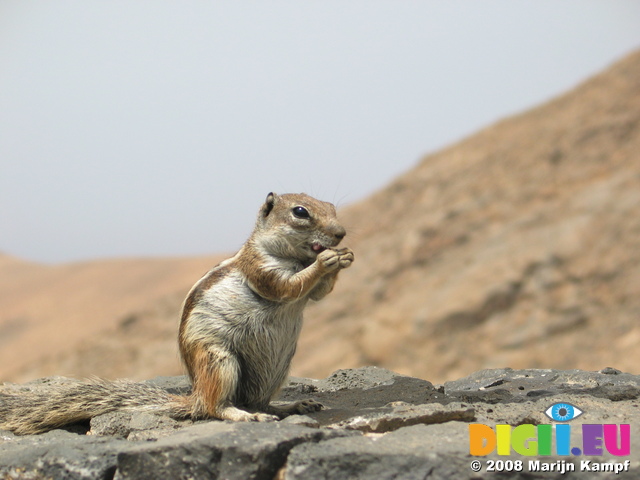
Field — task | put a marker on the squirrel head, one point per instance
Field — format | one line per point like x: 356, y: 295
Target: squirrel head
x: 295, y: 225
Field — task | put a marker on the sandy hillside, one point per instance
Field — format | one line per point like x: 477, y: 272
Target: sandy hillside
x: 519, y: 246
x: 83, y: 318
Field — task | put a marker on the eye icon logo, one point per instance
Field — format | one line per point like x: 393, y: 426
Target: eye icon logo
x: 563, y: 412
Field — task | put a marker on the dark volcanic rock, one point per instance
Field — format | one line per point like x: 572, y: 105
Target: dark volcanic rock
x: 518, y: 385
x: 218, y: 450
x: 390, y: 419
x: 415, y: 452
x: 134, y: 425
x: 59, y: 455
x: 376, y: 424
x: 522, y: 381
x: 349, y: 393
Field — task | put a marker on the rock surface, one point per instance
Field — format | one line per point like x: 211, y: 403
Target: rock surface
x: 376, y: 424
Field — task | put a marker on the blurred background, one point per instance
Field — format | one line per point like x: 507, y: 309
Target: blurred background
x: 156, y: 128
x: 493, y: 214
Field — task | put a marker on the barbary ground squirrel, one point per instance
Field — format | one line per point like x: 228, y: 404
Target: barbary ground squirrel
x: 238, y: 332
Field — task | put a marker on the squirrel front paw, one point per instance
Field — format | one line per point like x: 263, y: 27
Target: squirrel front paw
x: 333, y: 259
x: 346, y: 257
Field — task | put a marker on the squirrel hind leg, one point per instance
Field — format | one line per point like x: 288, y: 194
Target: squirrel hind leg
x: 215, y: 376
x: 215, y: 379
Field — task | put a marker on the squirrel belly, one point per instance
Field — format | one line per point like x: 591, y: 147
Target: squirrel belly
x: 249, y: 340
x: 238, y: 332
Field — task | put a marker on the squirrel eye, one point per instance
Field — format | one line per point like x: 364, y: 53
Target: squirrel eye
x: 301, y: 212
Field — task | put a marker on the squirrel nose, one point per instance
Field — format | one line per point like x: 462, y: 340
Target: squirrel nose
x: 340, y: 233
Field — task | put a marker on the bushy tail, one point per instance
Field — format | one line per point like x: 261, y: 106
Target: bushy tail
x: 38, y: 409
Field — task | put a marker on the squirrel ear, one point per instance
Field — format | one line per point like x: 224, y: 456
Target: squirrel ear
x: 268, y: 204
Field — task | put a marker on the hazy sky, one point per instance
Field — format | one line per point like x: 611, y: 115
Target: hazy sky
x: 157, y: 127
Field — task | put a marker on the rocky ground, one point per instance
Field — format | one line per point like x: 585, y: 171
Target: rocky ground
x: 376, y: 424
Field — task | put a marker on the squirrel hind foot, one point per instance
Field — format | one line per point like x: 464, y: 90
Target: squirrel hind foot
x: 296, y: 408
x: 237, y: 415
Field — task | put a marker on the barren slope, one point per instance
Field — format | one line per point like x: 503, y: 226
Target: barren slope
x: 90, y: 318
x: 519, y: 247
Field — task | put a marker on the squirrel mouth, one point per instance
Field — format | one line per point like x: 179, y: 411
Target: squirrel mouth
x: 316, y: 247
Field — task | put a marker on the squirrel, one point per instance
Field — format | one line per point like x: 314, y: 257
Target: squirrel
x: 238, y: 331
